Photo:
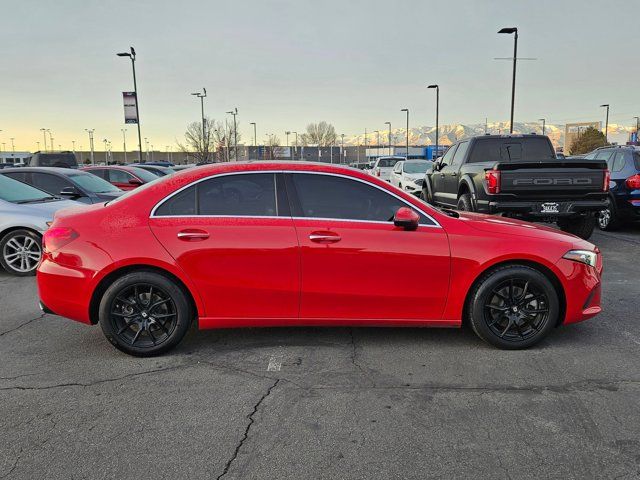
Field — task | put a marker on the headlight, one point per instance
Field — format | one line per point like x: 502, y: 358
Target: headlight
x: 418, y: 181
x: 582, y: 256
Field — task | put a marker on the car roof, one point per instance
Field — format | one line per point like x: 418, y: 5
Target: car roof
x: 55, y: 170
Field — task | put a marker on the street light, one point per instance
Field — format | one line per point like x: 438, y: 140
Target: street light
x: 13, y: 147
x: 389, y: 123
x: 124, y: 143
x: 296, y: 147
x: 606, y: 123
x: 543, y: 124
x: 437, y: 117
x: 132, y: 55
x: 342, y: 152
x: 255, y: 137
x: 44, y: 135
x: 513, y: 30
x: 234, y: 112
x: 50, y: 139
x: 407, y: 152
x: 106, y: 154
x: 90, y: 132
x: 205, y: 144
x: 146, y: 142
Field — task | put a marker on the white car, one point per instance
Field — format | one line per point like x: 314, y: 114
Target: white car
x: 25, y: 213
x: 383, y: 167
x: 408, y: 175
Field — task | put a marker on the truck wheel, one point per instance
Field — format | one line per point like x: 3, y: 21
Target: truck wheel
x: 464, y: 203
x: 608, y: 219
x: 579, y: 226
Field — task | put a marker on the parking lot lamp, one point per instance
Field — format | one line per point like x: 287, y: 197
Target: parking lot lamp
x: 124, y: 143
x: 287, y: 133
x: 606, y: 123
x: 295, y: 152
x: 544, y: 122
x: 234, y: 112
x: 513, y: 30
x: 90, y: 132
x: 437, y: 116
x: 389, y: 123
x: 406, y: 156
x: 132, y: 55
x: 106, y: 151
x: 44, y: 135
x: 205, y: 144
x: 13, y: 147
x: 50, y: 139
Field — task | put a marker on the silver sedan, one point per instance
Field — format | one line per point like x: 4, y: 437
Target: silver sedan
x: 25, y: 213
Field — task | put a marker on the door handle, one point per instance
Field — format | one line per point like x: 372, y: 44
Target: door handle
x: 324, y: 237
x: 454, y: 174
x: 188, y: 235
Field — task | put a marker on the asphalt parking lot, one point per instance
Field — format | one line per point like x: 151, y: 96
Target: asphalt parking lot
x: 325, y: 403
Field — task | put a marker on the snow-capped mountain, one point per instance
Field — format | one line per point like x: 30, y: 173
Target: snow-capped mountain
x: 426, y: 135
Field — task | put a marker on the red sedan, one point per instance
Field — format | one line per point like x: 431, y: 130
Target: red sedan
x: 273, y: 244
x: 123, y: 177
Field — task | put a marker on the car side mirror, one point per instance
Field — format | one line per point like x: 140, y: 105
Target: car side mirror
x: 406, y: 218
x: 70, y: 192
x: 135, y: 181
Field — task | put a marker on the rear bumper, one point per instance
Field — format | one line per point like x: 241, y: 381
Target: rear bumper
x: 565, y: 208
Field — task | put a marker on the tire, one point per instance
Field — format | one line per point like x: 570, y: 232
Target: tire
x: 144, y: 314
x: 496, y: 307
x: 579, y: 226
x: 608, y: 219
x: 20, y: 252
x: 464, y: 203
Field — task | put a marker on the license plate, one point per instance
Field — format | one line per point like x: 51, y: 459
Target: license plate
x: 550, y: 207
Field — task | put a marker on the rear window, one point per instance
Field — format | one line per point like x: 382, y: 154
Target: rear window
x: 388, y: 162
x: 56, y: 160
x: 511, y: 150
x: 143, y: 174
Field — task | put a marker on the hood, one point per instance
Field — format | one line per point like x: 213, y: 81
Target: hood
x: 44, y: 209
x: 414, y: 176
x: 511, y: 226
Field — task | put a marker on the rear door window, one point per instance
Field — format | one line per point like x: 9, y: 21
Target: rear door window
x: 119, y: 176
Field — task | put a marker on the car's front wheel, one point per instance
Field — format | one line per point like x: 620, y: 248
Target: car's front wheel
x: 513, y: 307
x: 20, y: 252
x: 145, y: 313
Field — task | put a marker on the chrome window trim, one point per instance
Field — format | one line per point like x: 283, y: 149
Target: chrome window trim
x: 273, y: 172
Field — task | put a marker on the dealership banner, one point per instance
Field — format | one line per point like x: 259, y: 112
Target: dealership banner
x: 129, y: 99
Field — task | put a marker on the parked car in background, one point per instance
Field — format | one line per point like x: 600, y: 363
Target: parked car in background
x: 383, y: 167
x: 624, y: 186
x: 298, y: 243
x: 53, y: 159
x: 519, y: 176
x: 408, y: 175
x: 125, y: 178
x: 25, y: 213
x: 65, y: 182
x: 158, y: 164
x: 6, y: 165
x: 157, y: 170
x: 177, y: 168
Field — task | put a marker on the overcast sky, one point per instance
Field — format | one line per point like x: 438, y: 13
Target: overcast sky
x: 284, y: 64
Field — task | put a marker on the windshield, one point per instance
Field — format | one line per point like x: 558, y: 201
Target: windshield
x: 415, y: 167
x: 388, y: 162
x: 143, y: 174
x: 92, y: 183
x: 17, y: 192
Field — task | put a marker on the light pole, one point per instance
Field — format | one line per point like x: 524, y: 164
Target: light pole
x: 342, y: 152
x: 296, y: 148
x: 146, y: 142
x: 90, y: 132
x: 544, y: 122
x: 513, y: 30
x: 606, y: 123
x: 234, y: 112
x: 38, y: 143
x: 287, y: 133
x: 50, y: 139
x: 132, y: 55
x: 106, y: 152
x: 44, y: 135
x: 13, y: 147
x: 407, y: 152
x: 255, y: 137
x: 437, y: 87
x: 124, y: 143
x: 205, y: 143
x: 389, y: 123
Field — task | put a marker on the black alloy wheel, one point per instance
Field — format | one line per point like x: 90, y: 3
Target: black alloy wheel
x: 514, y: 307
x: 144, y: 313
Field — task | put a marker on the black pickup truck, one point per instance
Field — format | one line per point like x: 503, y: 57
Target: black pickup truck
x: 519, y: 176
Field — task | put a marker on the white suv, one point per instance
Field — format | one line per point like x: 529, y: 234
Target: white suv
x: 408, y: 175
x: 383, y: 166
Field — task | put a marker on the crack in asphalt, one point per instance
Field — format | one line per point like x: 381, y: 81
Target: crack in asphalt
x: 14, y: 466
x: 22, y: 325
x: 246, y: 431
x: 354, y: 358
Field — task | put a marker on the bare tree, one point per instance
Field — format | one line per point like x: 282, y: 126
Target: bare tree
x: 225, y: 140
x: 322, y: 134
x: 198, y: 143
x: 273, y: 141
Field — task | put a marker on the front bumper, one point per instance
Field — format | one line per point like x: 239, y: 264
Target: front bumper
x: 582, y: 288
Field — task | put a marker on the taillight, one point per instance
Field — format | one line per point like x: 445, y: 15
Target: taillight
x: 607, y: 179
x: 493, y: 181
x: 57, y: 237
x: 633, y: 183
x: 378, y: 172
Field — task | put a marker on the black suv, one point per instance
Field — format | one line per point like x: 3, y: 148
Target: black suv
x: 624, y: 188
x: 519, y: 176
x: 53, y: 159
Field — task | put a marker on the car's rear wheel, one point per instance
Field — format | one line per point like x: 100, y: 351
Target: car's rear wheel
x: 465, y: 203
x: 513, y: 307
x: 608, y: 219
x: 145, y: 313
x: 582, y: 226
x: 20, y: 252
